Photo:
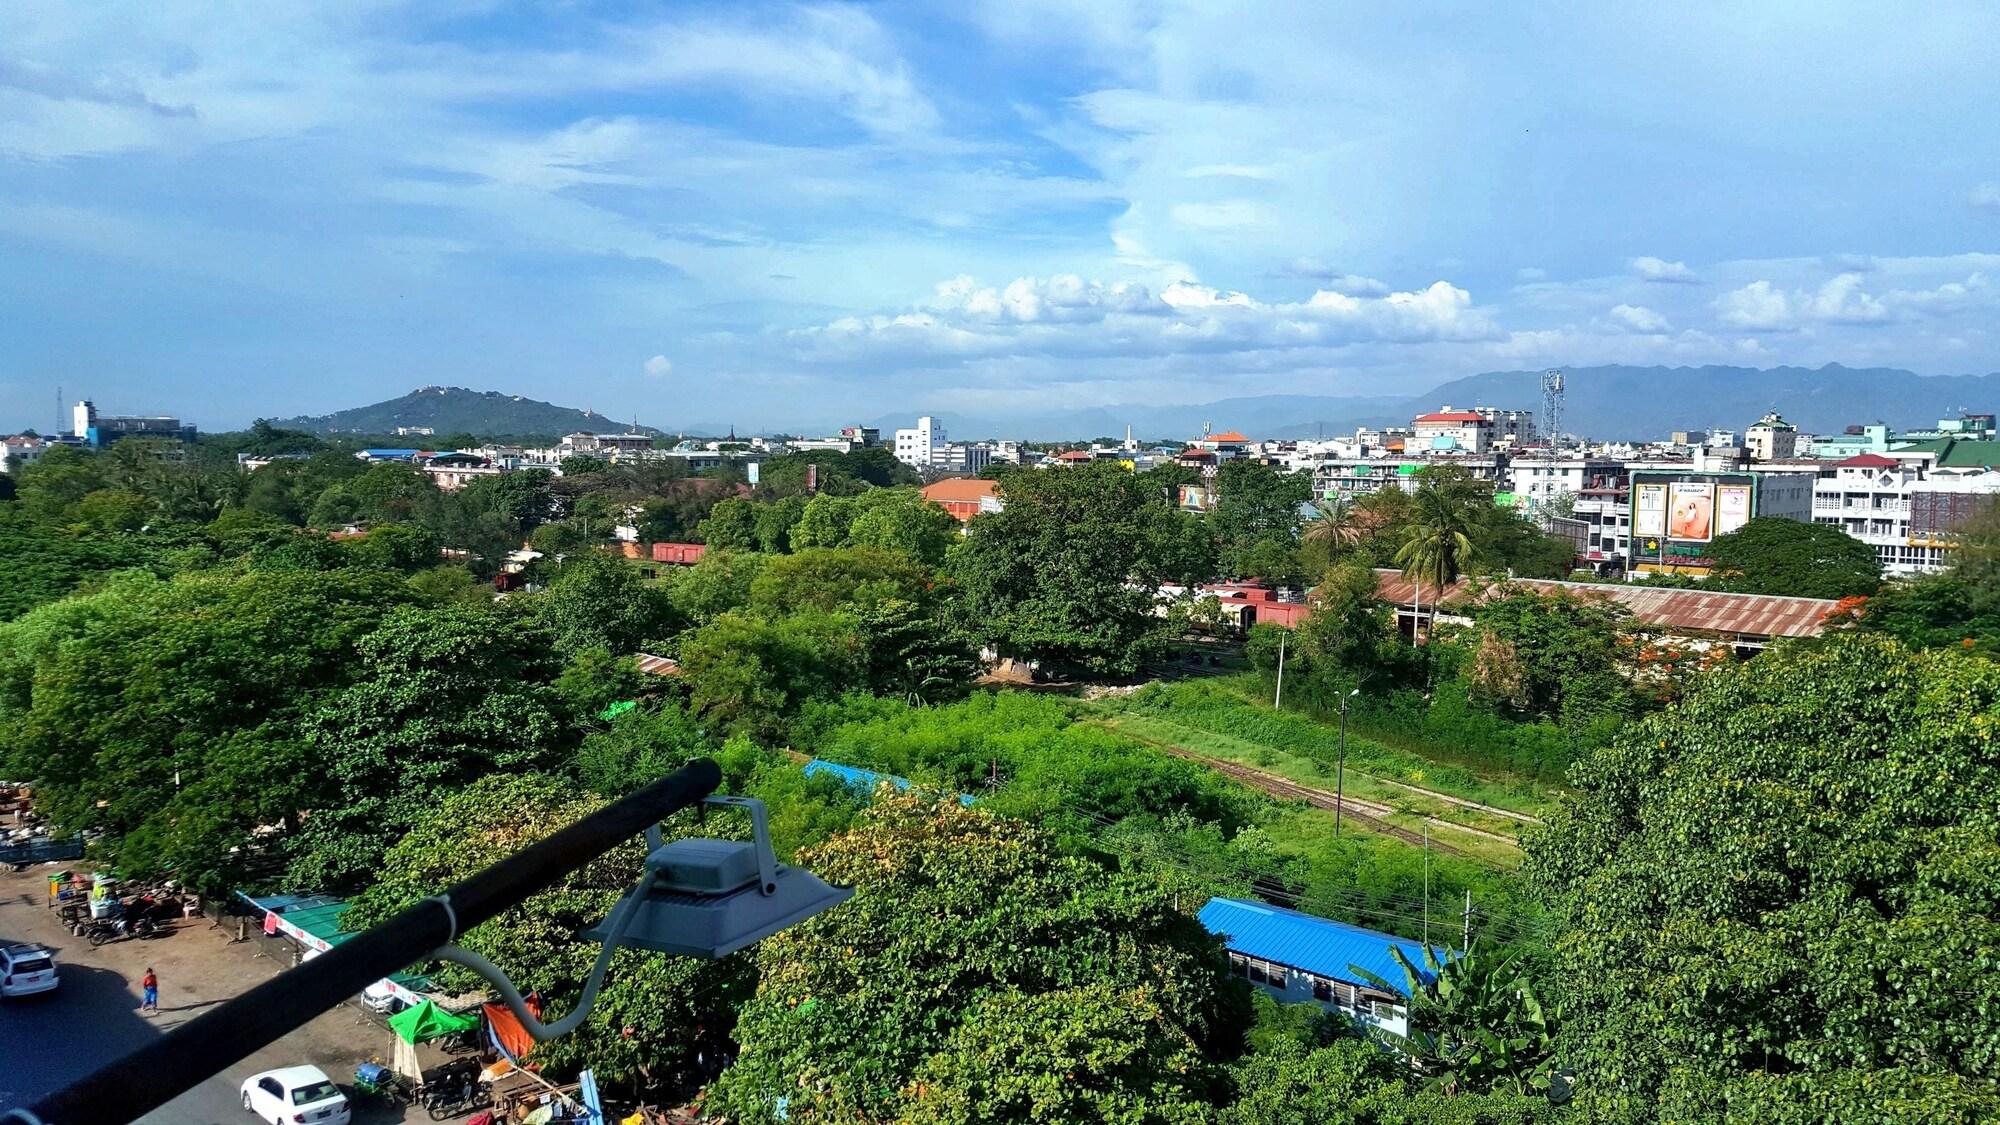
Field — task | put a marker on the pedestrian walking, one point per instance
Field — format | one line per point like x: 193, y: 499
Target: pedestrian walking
x: 151, y: 983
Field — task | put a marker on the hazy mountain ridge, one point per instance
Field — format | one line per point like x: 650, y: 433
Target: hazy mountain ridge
x: 1609, y: 402
x: 450, y: 410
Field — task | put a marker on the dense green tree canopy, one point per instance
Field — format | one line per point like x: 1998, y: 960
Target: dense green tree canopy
x: 1778, y: 892
x: 442, y: 697
x: 1065, y: 573
x: 956, y: 909
x: 1769, y: 555
x: 168, y: 713
x: 597, y: 600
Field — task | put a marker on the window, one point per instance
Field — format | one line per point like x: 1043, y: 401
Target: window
x: 271, y: 1087
x: 1239, y: 965
x: 314, y: 1092
x: 1257, y: 972
x: 1322, y: 990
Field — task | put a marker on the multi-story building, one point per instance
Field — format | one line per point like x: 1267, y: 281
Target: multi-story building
x: 1226, y: 445
x: 1904, y: 509
x: 21, y: 451
x: 1511, y: 428
x: 922, y: 446
x: 1444, y: 430
x: 99, y: 430
x: 1772, y: 439
x: 1359, y: 476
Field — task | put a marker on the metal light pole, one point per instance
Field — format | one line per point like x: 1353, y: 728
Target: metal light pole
x: 1340, y: 768
x: 1278, y: 700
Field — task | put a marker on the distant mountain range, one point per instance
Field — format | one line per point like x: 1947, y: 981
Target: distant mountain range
x: 1604, y: 402
x: 1614, y: 402
x: 451, y: 410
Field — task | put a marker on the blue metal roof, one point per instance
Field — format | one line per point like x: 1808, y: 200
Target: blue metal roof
x: 1319, y: 946
x: 865, y: 781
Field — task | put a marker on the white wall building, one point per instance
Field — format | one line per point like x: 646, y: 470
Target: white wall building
x: 922, y: 446
x: 1902, y: 509
x: 1772, y: 439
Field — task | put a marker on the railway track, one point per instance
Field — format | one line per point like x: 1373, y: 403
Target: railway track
x: 1369, y: 813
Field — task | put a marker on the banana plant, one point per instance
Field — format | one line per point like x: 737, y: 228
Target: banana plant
x: 1476, y: 1024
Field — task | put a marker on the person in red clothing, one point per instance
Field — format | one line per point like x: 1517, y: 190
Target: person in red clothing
x: 151, y: 984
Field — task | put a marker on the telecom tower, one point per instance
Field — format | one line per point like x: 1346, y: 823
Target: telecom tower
x: 1552, y: 406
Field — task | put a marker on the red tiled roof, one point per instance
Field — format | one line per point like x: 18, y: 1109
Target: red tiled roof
x: 1452, y: 416
x: 1226, y: 435
x: 959, y: 488
x: 1868, y: 461
x: 1074, y: 455
x: 1196, y: 455
x: 1763, y: 615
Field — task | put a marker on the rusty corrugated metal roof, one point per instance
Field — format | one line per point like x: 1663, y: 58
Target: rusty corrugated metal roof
x: 1762, y: 615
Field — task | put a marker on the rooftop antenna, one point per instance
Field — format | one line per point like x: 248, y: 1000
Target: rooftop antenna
x: 1552, y: 406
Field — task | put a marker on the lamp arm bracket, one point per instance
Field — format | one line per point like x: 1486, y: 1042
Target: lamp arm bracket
x: 760, y: 829
x: 615, y: 931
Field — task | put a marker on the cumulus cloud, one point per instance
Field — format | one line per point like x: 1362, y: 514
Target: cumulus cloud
x: 1757, y: 307
x: 1329, y: 277
x: 659, y: 367
x: 1763, y: 307
x: 1067, y: 315
x: 1659, y: 269
x: 1636, y: 318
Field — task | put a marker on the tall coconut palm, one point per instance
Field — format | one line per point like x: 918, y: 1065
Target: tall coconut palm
x: 1440, y: 535
x: 1336, y: 523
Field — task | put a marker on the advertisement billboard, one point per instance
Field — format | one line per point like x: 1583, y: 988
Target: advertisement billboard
x: 1691, y: 512
x: 1649, y: 510
x: 1732, y: 507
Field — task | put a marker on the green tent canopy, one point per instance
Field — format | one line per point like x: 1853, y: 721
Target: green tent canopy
x: 427, y: 1021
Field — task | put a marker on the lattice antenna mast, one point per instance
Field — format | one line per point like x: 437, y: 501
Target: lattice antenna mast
x: 1552, y: 406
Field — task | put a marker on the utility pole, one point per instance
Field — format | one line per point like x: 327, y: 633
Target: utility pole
x: 1427, y: 882
x: 1340, y: 766
x: 1465, y: 939
x: 1278, y: 700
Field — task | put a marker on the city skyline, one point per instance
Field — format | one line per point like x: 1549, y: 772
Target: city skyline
x: 791, y: 213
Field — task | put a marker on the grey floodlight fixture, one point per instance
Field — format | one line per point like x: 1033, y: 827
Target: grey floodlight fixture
x: 698, y: 898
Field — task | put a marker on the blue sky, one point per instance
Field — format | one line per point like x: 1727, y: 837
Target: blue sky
x: 805, y: 214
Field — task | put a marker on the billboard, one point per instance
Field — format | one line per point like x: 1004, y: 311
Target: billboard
x: 1649, y: 514
x: 1732, y: 507
x: 1691, y: 512
x: 1195, y: 498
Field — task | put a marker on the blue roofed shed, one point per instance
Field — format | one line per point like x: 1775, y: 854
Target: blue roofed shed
x: 864, y: 781
x: 1300, y: 958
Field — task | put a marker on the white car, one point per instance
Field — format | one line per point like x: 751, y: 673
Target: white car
x: 26, y: 970
x: 295, y: 1095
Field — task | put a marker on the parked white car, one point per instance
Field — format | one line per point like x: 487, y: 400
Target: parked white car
x: 26, y: 969
x: 295, y: 1095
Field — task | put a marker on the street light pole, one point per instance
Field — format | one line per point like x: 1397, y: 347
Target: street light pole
x: 1340, y: 768
x: 1278, y: 700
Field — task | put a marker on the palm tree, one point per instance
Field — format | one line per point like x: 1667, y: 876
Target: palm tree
x: 1439, y: 536
x: 1336, y: 523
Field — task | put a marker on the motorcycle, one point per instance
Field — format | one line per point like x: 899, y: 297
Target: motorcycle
x: 453, y: 1093
x: 104, y: 930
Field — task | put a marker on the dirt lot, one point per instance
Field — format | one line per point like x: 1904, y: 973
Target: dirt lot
x: 92, y: 1018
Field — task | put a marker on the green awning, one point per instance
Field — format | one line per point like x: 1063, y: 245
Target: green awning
x: 427, y: 1021
x: 617, y: 709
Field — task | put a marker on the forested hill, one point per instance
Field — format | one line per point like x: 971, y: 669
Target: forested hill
x: 458, y: 410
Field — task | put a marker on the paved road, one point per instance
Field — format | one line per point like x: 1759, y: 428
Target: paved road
x: 50, y: 1040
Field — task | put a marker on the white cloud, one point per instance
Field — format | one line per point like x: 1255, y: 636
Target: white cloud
x: 1757, y: 307
x: 1842, y: 301
x: 1636, y: 318
x: 1986, y: 196
x: 659, y: 367
x: 1226, y: 214
x: 1069, y: 316
x: 1659, y: 269
x: 1531, y: 273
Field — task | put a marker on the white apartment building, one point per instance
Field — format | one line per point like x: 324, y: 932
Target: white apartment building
x: 21, y: 451
x: 1772, y: 439
x: 922, y: 446
x: 1905, y: 510
x: 1448, y: 429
